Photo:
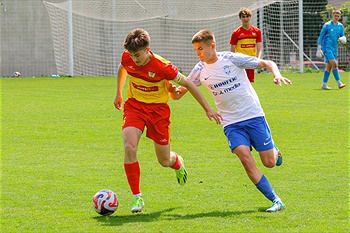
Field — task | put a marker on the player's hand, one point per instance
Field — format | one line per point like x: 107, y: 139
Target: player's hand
x: 173, y: 91
x: 279, y: 80
x: 170, y: 87
x: 178, y: 92
x: 118, y: 102
x: 342, y: 39
x: 319, y: 52
x: 212, y: 114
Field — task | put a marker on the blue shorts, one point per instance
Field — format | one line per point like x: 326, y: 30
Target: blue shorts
x: 254, y: 132
x: 330, y: 55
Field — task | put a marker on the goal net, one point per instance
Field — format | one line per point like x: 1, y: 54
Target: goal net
x: 99, y: 28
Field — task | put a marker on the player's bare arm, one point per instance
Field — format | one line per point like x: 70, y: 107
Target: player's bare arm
x: 258, y: 50
x: 121, y: 77
x: 233, y: 48
x: 187, y: 85
x: 272, y: 66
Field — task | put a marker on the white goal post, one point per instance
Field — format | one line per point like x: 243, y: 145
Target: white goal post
x: 88, y: 35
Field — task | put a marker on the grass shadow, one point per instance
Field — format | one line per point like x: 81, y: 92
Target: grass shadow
x: 213, y: 214
x: 141, y: 217
x: 330, y: 90
x: 150, y: 217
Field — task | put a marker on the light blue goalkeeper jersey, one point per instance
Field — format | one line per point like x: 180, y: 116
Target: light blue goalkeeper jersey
x: 329, y: 36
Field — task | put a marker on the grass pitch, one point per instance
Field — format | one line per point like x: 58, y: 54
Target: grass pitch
x: 61, y: 143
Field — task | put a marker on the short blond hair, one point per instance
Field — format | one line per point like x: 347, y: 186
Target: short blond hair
x: 203, y: 36
x: 336, y: 12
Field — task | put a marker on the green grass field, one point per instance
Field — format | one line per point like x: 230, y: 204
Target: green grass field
x: 61, y: 143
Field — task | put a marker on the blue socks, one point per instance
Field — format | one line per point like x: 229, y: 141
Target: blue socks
x: 336, y: 74
x: 265, y: 188
x: 326, y: 75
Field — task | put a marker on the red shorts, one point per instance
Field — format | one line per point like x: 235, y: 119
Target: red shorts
x: 250, y: 74
x: 156, y: 117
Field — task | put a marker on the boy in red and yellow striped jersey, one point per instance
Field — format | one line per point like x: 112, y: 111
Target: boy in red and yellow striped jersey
x: 247, y: 39
x: 147, y: 106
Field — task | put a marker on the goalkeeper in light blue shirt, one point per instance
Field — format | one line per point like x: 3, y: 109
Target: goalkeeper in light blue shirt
x: 331, y: 32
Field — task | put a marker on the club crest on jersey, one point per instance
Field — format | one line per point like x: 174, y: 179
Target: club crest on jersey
x: 227, y: 70
x: 151, y: 74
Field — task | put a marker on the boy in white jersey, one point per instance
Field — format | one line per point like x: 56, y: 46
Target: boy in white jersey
x: 245, y: 126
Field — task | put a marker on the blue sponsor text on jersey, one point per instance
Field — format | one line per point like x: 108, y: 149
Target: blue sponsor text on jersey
x: 224, y: 83
x: 220, y: 84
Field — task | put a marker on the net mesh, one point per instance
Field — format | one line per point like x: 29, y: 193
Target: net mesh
x: 100, y: 27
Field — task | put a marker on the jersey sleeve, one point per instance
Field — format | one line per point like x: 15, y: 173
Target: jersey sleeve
x: 166, y: 68
x: 322, y: 34
x: 234, y: 38
x: 178, y: 77
x: 342, y: 33
x: 259, y: 36
x: 195, y: 74
x: 243, y: 61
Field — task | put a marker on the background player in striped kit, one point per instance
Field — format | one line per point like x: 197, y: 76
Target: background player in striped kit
x: 247, y: 39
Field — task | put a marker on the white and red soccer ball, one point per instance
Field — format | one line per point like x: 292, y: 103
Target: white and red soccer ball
x: 17, y: 74
x: 105, y: 202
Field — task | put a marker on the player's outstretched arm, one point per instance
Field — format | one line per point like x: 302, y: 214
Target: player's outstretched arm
x: 272, y: 66
x: 197, y: 94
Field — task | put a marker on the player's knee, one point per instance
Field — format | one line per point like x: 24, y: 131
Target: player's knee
x: 270, y: 165
x: 129, y: 147
x: 246, y: 160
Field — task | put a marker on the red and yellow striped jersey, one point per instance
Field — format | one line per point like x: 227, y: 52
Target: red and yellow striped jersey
x: 245, y: 40
x: 147, y: 83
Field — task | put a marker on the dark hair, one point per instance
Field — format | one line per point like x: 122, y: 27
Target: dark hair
x: 137, y: 39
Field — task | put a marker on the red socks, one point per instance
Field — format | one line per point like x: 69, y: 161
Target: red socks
x: 132, y: 172
x: 177, y: 163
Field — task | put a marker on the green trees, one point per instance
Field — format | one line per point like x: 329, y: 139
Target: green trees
x: 312, y: 22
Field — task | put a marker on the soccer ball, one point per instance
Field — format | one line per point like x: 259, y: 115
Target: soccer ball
x: 105, y: 202
x: 16, y: 74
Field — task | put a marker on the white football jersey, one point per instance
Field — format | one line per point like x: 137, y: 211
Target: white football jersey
x: 226, y: 79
